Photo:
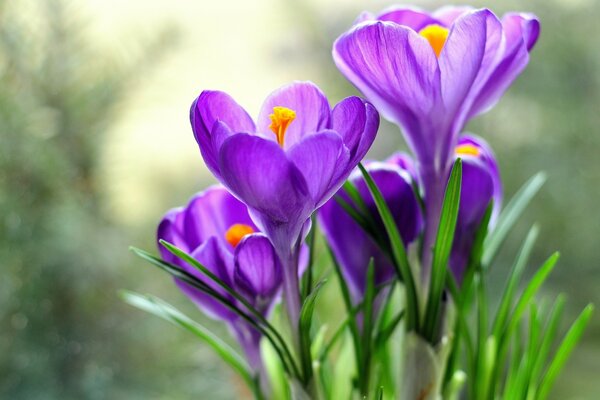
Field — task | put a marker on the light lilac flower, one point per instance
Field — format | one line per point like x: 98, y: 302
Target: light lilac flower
x: 351, y: 245
x: 288, y: 163
x: 430, y: 73
x: 216, y: 230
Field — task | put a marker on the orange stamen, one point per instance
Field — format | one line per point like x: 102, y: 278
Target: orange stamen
x: 467, y: 150
x: 236, y: 233
x: 281, y: 119
x: 436, y: 35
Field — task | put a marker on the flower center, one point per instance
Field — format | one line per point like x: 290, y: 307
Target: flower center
x: 467, y: 150
x: 436, y: 35
x: 281, y: 118
x: 236, y: 233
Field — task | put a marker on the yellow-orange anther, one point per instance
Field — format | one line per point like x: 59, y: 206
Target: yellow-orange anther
x: 436, y: 35
x: 236, y: 233
x: 467, y: 150
x: 281, y: 118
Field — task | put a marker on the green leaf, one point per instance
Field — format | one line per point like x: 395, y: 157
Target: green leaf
x: 367, y: 332
x: 386, y: 332
x: 307, y: 279
x: 564, y: 351
x: 513, y: 280
x: 156, y: 306
x: 305, y: 323
x: 349, y: 310
x: 400, y: 258
x: 544, y: 349
x: 510, y: 215
x: 379, y: 395
x: 532, y: 288
x: 264, y: 327
x: 441, y: 253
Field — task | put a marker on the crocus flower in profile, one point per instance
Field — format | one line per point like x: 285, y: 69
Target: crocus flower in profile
x: 430, y: 73
x: 216, y: 230
x: 480, y: 185
x: 288, y: 163
x: 351, y: 246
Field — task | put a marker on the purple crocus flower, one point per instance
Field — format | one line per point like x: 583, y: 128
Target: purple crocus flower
x: 288, y: 163
x: 352, y: 247
x: 480, y: 185
x: 430, y: 73
x: 216, y: 230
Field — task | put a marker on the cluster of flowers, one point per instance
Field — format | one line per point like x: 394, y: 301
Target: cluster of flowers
x: 429, y: 73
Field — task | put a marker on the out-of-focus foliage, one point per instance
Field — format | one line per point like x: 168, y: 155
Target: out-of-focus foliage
x: 63, y: 331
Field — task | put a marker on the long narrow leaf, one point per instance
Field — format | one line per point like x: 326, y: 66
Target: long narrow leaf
x: 441, y: 253
x: 305, y: 323
x: 403, y: 269
x: 513, y: 280
x: 255, y: 313
x: 564, y: 350
x: 191, y: 280
x: 510, y: 215
x: 155, y: 306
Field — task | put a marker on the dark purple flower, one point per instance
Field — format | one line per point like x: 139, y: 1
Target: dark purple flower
x: 352, y: 247
x: 480, y: 185
x: 430, y: 73
x: 288, y: 163
x: 216, y: 230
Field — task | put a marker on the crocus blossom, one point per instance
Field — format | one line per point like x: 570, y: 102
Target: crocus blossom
x: 430, y: 73
x: 480, y: 185
x: 286, y: 164
x: 216, y: 230
x: 352, y: 247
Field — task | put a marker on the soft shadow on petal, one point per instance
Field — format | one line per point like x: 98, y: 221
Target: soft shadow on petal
x: 413, y: 17
x: 220, y: 262
x: 171, y: 229
x: 307, y: 101
x: 520, y: 33
x: 209, y: 107
x: 258, y: 172
x: 489, y: 160
x: 462, y: 57
x: 476, y: 192
x: 212, y: 213
x: 393, y: 66
x: 448, y: 14
x: 357, y: 123
x: 257, y: 268
x: 351, y: 245
x: 321, y: 158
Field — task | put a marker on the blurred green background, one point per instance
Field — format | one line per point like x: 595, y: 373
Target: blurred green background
x: 96, y: 146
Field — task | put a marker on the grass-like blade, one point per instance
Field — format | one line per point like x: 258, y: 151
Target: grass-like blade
x: 513, y: 281
x: 564, y: 351
x: 158, y: 307
x: 255, y: 313
x: 307, y: 278
x: 353, y: 325
x: 386, y: 332
x: 403, y: 269
x: 544, y: 350
x: 367, y: 331
x: 305, y: 323
x: 441, y: 253
x: 271, y: 334
x: 531, y: 289
x: 510, y: 215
